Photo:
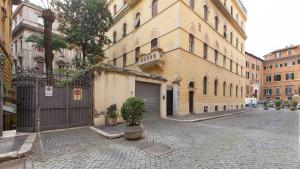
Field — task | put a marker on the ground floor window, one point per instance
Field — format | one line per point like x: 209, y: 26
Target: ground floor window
x: 205, y: 108
x: 216, y: 108
x: 237, y: 106
x: 224, y: 108
x: 277, y: 98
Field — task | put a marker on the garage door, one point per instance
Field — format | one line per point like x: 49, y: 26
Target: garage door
x: 150, y: 94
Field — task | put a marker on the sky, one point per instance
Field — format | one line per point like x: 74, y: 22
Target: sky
x: 271, y: 25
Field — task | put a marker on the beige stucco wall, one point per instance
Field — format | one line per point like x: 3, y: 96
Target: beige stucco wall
x: 172, y: 26
x: 112, y: 88
x: 115, y: 88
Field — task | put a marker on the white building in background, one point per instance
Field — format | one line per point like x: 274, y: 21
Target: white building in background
x: 26, y: 21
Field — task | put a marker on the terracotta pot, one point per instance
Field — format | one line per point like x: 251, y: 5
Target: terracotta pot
x: 112, y: 121
x: 134, y: 132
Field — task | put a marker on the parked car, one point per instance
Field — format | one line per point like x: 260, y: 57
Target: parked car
x: 298, y: 106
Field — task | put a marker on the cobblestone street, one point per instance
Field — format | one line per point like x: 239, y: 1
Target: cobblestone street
x: 260, y: 139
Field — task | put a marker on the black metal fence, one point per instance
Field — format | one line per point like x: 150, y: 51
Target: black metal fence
x: 52, y: 102
x: 1, y: 104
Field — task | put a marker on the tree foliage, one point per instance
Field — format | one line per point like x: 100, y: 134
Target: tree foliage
x: 85, y: 22
x: 57, y: 42
x: 132, y: 111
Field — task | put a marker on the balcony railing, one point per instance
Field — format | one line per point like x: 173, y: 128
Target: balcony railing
x: 151, y: 60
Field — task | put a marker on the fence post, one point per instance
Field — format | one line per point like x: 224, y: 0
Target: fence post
x: 68, y: 99
x: 37, y: 107
x: 1, y: 105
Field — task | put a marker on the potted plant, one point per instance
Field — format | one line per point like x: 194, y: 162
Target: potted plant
x: 294, y: 105
x: 112, y: 115
x: 132, y: 112
x: 278, y: 105
x: 266, y: 106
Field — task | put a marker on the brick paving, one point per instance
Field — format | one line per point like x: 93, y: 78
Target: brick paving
x: 205, y: 115
x: 261, y: 139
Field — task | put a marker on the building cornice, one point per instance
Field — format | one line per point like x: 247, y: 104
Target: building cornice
x: 28, y: 4
x: 26, y: 26
x: 281, y: 59
x: 251, y: 55
x: 225, y: 11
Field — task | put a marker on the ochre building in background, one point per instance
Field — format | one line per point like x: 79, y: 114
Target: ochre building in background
x: 282, y: 74
x: 197, y: 45
x: 5, y: 41
x: 254, y: 72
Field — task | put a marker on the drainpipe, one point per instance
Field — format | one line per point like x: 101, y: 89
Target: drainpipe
x: 2, y: 57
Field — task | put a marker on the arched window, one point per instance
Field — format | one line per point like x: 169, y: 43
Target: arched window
x: 192, y: 85
x: 137, y: 53
x: 242, y: 47
x: 224, y: 89
x: 154, y: 43
x: 236, y: 91
x: 205, y: 12
x: 137, y: 20
x: 216, y: 87
x: 225, y: 32
x: 242, y: 91
x: 216, y: 23
x: 115, y: 9
x: 230, y: 90
x: 192, y: 4
x: 124, y: 59
x: 115, y: 62
x: 115, y: 37
x: 205, y: 85
x: 154, y: 7
x: 205, y: 51
x: 124, y: 30
x: 191, y: 43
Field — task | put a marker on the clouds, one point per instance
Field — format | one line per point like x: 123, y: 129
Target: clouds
x: 272, y: 24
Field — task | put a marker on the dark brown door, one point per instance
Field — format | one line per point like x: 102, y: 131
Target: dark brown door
x: 170, y: 102
x: 191, y: 101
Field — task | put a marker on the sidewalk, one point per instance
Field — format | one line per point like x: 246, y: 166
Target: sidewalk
x: 113, y: 132
x: 15, y: 147
x: 206, y: 116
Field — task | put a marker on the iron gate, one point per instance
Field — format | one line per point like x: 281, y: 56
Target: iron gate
x: 64, y: 101
x: 1, y: 105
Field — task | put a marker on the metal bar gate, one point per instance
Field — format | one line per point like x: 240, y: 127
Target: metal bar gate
x: 63, y: 102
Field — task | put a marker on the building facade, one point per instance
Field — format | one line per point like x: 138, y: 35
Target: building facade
x: 198, y: 46
x: 5, y: 40
x: 6, y: 92
x: 27, y: 21
x: 282, y: 74
x: 254, y: 71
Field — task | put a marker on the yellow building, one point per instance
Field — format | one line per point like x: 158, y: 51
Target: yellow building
x: 198, y: 46
x: 5, y: 40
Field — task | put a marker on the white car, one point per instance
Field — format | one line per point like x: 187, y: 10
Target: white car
x: 298, y: 106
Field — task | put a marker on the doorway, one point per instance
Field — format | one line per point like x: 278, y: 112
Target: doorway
x: 191, y: 97
x: 170, y: 102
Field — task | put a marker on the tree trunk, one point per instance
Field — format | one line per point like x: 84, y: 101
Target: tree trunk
x: 49, y: 18
x: 83, y: 55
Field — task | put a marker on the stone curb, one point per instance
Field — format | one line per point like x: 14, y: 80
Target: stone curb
x: 25, y: 149
x: 208, y: 118
x: 107, y: 135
